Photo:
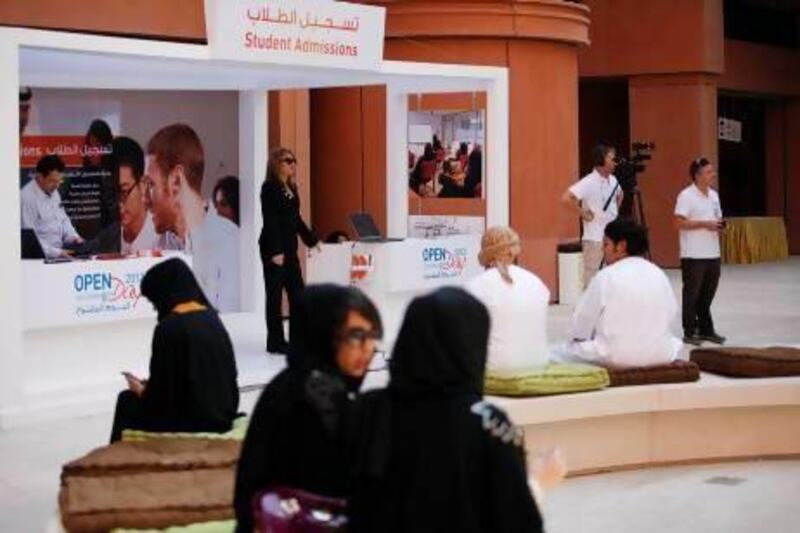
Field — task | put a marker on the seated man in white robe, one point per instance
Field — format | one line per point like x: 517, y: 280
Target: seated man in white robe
x: 517, y: 303
x: 623, y: 318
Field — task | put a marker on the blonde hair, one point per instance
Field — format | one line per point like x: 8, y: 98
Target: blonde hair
x: 499, y: 247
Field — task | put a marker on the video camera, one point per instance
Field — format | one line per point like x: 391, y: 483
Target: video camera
x: 628, y: 167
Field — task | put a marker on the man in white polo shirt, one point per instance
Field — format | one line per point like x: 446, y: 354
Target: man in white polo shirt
x: 698, y: 217
x: 595, y: 198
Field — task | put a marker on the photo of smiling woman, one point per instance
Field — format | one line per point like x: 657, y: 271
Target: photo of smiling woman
x: 280, y: 209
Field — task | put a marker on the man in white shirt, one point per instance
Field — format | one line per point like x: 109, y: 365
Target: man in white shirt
x: 42, y: 211
x: 174, y: 177
x: 623, y: 319
x: 137, y: 232
x: 517, y: 302
x: 698, y: 217
x: 595, y: 198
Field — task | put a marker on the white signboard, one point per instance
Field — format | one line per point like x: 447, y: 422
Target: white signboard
x: 730, y: 130
x: 85, y: 292
x: 296, y: 32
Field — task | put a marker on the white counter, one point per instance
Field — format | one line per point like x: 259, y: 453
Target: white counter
x: 85, y: 292
x: 392, y: 273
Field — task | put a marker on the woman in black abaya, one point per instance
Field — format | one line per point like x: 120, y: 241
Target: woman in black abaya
x: 430, y: 454
x: 296, y: 433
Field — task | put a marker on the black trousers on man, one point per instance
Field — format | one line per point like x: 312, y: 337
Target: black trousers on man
x: 700, y: 280
x: 278, y: 278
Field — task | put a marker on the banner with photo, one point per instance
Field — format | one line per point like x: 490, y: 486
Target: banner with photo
x: 110, y: 174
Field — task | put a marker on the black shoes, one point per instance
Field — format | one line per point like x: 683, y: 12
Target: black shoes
x: 697, y: 340
x: 694, y: 340
x: 712, y: 337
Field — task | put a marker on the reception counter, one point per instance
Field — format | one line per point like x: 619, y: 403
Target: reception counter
x: 84, y: 292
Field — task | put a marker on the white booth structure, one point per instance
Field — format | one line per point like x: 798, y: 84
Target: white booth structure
x: 54, y: 362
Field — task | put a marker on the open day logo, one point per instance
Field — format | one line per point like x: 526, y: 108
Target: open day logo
x: 102, y: 292
x: 439, y: 262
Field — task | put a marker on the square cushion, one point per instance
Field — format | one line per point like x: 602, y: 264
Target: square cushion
x: 749, y: 362
x: 555, y: 378
x: 674, y: 372
x: 151, y: 484
x: 237, y: 432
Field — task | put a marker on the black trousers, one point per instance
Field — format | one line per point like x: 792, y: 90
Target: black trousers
x: 278, y: 278
x: 128, y: 414
x: 700, y: 280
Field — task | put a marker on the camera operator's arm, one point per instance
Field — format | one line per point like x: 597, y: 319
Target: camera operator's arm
x: 573, y: 203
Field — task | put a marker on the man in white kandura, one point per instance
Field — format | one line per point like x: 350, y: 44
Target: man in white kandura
x: 623, y: 319
x: 517, y: 303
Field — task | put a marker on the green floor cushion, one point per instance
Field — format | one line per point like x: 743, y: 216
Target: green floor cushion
x: 555, y: 378
x: 775, y: 361
x: 237, y: 432
x: 219, y: 526
x: 674, y: 372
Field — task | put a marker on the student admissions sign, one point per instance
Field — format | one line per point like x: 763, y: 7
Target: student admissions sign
x: 297, y: 32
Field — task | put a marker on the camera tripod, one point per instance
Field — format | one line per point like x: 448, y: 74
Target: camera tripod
x: 633, y: 207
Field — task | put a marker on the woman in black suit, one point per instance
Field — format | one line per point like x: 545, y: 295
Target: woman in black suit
x: 280, y: 209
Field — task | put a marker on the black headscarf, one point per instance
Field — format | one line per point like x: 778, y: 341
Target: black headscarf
x: 170, y: 283
x: 441, y: 348
x: 316, y: 322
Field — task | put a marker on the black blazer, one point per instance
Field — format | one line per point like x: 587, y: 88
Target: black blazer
x: 282, y: 222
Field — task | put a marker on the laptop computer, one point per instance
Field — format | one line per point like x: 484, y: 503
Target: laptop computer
x: 31, y: 247
x: 366, y: 229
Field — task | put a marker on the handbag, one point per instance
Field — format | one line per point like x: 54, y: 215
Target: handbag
x: 289, y: 510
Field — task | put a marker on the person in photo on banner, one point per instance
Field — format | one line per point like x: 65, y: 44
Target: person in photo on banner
x: 175, y: 163
x: 192, y: 384
x: 280, y: 210
x: 25, y: 101
x: 596, y: 199
x: 41, y: 209
x: 698, y: 218
x: 623, y: 318
x: 137, y: 232
x: 226, y: 198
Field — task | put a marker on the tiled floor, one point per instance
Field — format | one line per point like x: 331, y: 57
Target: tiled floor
x: 756, y: 305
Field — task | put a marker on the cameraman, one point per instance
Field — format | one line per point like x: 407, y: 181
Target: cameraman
x: 698, y: 217
x: 595, y: 198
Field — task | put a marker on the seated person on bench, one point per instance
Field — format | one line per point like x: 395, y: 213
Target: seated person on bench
x: 192, y: 385
x: 517, y: 303
x: 623, y: 318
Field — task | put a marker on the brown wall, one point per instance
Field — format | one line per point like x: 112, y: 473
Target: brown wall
x: 762, y: 69
x: 173, y: 19
x: 678, y: 113
x: 348, y: 154
x: 631, y: 37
